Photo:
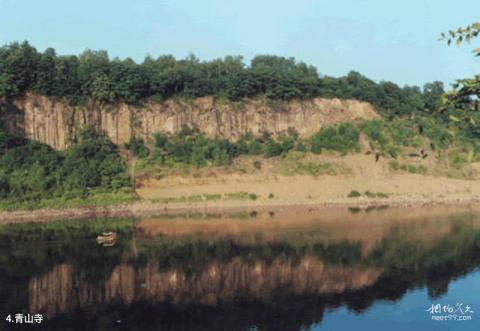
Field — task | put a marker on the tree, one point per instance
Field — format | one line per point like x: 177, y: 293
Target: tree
x: 462, y: 35
x: 18, y: 68
x: 93, y: 75
x: 66, y: 82
x: 462, y: 104
x: 46, y: 73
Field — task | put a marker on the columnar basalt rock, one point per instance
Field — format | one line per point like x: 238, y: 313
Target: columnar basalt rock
x: 56, y: 123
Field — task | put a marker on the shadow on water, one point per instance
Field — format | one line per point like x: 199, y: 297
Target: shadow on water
x: 280, y: 271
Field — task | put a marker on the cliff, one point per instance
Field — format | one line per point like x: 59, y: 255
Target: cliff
x: 55, y: 123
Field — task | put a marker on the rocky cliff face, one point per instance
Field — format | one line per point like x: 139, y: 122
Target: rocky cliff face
x: 56, y: 123
x: 64, y: 288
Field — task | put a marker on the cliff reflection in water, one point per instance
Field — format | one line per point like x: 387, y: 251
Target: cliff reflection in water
x: 273, y: 271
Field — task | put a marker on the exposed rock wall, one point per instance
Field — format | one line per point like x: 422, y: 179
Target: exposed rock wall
x: 56, y: 123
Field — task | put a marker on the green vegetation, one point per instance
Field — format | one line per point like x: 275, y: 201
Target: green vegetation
x: 420, y: 137
x: 368, y: 194
x: 395, y: 165
x: 33, y: 174
x: 354, y: 194
x: 240, y: 196
x: 137, y: 147
x: 310, y: 168
x: 189, y: 146
x: 97, y: 197
x: 93, y: 75
x: 191, y: 198
x: 342, y: 138
x: 209, y: 197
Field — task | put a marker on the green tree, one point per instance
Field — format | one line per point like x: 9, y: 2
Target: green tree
x: 45, y: 83
x: 463, y: 102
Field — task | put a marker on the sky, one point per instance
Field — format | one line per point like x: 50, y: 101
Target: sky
x: 395, y: 40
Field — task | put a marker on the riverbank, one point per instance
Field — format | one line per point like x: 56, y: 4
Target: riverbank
x: 323, y: 192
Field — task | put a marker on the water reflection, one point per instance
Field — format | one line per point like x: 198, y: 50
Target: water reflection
x: 235, y: 271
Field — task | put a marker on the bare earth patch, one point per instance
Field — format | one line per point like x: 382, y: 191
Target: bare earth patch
x: 299, y: 190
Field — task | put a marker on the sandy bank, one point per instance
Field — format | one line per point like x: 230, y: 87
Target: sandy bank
x: 288, y: 191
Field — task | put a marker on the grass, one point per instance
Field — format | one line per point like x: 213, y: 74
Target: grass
x: 208, y: 197
x: 420, y: 169
x: 368, y: 194
x: 191, y: 198
x: 311, y: 168
x: 94, y: 198
x: 240, y: 196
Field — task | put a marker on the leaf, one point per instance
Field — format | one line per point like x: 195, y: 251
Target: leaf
x: 459, y: 40
x: 454, y: 118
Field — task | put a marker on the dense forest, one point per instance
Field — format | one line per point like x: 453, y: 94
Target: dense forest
x: 94, y: 75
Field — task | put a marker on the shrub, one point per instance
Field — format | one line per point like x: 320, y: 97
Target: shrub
x: 220, y: 156
x: 272, y: 148
x: 301, y: 147
x: 255, y: 147
x: 33, y: 171
x: 240, y: 196
x: 375, y: 131
x: 294, y: 155
x: 137, y: 147
x: 160, y: 139
x: 342, y: 138
x: 257, y: 164
x: 423, y: 170
x: 412, y: 169
x: 315, y: 168
x: 354, y: 194
x: 393, y: 164
x: 287, y: 143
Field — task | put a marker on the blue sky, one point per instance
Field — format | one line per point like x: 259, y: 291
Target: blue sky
x: 383, y: 39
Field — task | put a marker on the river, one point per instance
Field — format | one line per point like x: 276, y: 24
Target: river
x: 288, y: 269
